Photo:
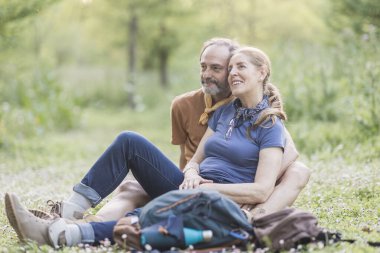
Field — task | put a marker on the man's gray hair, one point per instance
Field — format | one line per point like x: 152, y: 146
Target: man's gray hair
x: 228, y: 43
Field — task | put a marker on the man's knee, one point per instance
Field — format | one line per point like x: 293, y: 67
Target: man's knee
x: 127, y: 136
x: 130, y: 186
x: 299, y: 173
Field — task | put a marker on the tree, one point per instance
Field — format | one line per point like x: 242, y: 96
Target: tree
x: 357, y: 14
x: 152, y: 34
x: 12, y: 13
x: 132, y: 48
x: 161, y: 46
x: 16, y: 10
x: 164, y: 21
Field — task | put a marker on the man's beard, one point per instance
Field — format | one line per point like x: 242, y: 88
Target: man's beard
x: 215, y: 89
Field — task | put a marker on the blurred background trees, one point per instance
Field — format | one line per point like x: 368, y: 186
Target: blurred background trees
x: 60, y: 57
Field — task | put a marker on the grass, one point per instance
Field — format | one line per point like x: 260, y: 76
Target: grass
x: 343, y: 191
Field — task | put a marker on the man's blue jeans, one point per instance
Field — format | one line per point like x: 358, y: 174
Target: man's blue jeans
x: 130, y: 151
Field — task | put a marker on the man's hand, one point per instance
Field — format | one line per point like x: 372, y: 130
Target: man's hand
x: 192, y: 180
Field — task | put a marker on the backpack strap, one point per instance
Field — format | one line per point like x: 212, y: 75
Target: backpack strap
x: 239, y: 234
x: 372, y: 244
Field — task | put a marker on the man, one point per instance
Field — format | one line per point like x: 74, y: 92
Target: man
x: 190, y: 113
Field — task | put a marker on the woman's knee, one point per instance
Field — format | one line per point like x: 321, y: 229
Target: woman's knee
x: 131, y: 190
x: 131, y: 186
x: 300, y: 172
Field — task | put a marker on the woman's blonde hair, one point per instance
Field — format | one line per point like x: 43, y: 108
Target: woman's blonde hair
x: 261, y: 61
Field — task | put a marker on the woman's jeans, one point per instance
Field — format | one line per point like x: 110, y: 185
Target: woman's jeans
x: 130, y: 151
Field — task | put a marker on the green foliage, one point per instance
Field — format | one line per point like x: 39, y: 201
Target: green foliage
x: 355, y: 14
x: 15, y: 10
x: 360, y: 70
x: 336, y: 83
x: 306, y: 76
x: 85, y: 42
x: 33, y: 107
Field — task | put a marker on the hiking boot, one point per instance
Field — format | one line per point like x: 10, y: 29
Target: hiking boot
x: 42, y: 215
x: 56, y: 211
x: 62, y: 209
x: 61, y: 235
x: 28, y: 226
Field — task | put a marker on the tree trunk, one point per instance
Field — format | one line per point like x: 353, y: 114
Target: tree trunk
x: 37, y: 45
x: 163, y: 50
x: 131, y: 56
x: 164, y: 56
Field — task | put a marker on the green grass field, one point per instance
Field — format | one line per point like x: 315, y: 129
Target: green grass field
x: 64, y: 81
x: 343, y: 191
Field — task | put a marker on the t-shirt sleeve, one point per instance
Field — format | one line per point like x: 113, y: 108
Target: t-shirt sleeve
x: 178, y: 125
x: 213, y: 121
x: 272, y: 136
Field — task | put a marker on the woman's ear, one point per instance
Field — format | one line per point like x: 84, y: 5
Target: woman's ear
x: 263, y: 73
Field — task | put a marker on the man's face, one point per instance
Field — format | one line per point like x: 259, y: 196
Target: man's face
x: 214, y: 71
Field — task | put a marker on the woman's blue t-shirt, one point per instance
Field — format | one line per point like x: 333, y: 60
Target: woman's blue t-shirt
x: 235, y: 159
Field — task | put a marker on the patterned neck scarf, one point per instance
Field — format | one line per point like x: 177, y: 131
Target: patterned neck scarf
x: 245, y: 114
x: 210, y: 108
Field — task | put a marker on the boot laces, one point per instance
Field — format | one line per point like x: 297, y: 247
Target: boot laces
x: 40, y: 214
x: 56, y: 207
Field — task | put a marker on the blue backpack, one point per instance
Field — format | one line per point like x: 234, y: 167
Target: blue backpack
x: 199, y: 210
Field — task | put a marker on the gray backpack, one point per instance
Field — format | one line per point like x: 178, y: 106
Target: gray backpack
x: 200, y: 210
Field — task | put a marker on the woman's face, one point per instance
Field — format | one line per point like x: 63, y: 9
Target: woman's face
x: 244, y: 77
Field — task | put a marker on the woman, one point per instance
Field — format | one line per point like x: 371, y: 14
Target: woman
x: 243, y: 134
x: 239, y: 155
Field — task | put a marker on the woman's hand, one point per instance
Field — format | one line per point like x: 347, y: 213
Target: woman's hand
x: 247, y: 207
x: 127, y: 232
x: 192, y: 180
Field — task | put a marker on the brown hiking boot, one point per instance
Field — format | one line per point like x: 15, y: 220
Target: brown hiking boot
x: 26, y: 225
x: 55, y: 207
x: 53, y: 232
x: 41, y: 214
x: 60, y: 209
x: 66, y: 210
x: 55, y: 211
x: 46, y: 216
